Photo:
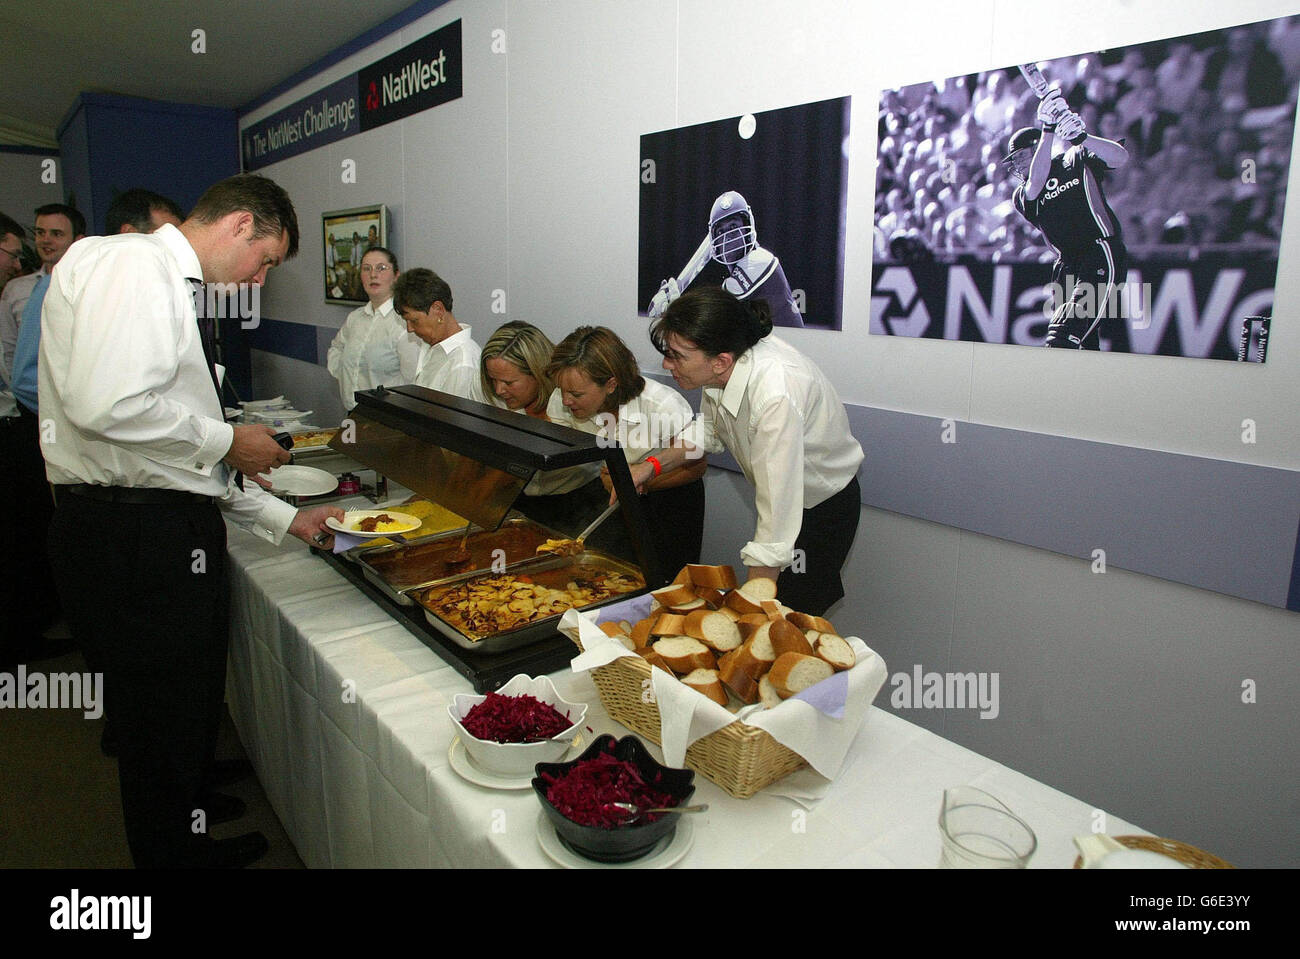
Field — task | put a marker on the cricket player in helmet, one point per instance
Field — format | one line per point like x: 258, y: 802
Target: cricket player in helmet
x: 752, y: 270
x: 1061, y: 195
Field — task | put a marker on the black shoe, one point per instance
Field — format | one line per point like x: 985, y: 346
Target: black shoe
x: 224, y: 772
x: 222, y: 808
x: 234, y: 853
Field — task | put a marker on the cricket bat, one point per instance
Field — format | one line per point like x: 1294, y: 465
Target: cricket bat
x: 698, y: 261
x: 1034, y: 77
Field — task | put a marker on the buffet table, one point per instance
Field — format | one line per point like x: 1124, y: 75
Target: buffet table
x: 343, y: 714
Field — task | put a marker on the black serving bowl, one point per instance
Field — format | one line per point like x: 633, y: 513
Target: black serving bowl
x: 622, y: 843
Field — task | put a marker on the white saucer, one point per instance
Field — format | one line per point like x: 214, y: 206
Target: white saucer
x: 469, y: 771
x: 667, y: 852
x: 301, y: 481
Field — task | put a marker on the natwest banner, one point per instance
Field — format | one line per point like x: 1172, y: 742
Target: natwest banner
x: 1195, y: 308
x: 423, y: 74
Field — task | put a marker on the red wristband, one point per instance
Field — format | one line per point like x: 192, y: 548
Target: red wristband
x: 656, y: 464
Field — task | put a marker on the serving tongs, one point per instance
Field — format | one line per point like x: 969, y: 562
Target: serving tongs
x: 581, y: 538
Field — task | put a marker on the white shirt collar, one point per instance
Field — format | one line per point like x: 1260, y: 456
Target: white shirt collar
x: 456, y: 339
x: 179, y: 247
x: 734, y: 392
x: 383, y: 309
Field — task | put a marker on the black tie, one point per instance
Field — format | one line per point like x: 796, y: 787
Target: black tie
x: 207, y: 334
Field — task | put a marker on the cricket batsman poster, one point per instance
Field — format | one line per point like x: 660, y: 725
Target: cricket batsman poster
x: 1124, y: 200
x: 755, y: 204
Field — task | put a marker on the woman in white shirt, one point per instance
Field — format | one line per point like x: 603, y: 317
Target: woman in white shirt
x: 780, y: 417
x: 373, y: 345
x: 448, y: 361
x: 601, y: 391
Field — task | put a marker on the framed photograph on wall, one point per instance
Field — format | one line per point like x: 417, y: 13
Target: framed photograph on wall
x: 346, y: 235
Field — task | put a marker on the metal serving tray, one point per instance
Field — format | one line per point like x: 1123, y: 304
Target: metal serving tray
x: 551, y: 571
x: 399, y: 569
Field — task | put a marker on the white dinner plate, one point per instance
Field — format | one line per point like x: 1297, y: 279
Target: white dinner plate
x: 353, y: 516
x: 301, y: 481
x: 470, y: 771
x: 667, y: 852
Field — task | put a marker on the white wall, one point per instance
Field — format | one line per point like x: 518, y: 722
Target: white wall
x: 22, y: 189
x: 1121, y: 689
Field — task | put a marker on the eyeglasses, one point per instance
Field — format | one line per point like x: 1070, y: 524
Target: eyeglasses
x: 15, y: 254
x: 378, y: 268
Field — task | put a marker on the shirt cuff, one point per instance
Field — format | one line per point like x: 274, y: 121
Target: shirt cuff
x: 257, y: 511
x: 778, y: 555
x: 217, y: 445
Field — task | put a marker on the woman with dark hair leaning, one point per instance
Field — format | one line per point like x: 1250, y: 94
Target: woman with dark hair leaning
x: 780, y: 417
x: 600, y: 391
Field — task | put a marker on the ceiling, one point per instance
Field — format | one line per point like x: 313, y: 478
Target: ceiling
x: 56, y: 49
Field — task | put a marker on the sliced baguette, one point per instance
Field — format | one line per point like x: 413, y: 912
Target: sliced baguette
x: 759, y: 588
x: 806, y: 622
x: 767, y: 693
x: 669, y: 624
x: 655, y: 660
x: 788, y: 639
x: 713, y: 629
x: 684, y: 654
x: 706, y: 681
x: 732, y: 672
x: 836, y: 651
x: 794, y: 672
x: 673, y: 594
x: 641, y: 631
x: 717, y: 577
x: 689, y: 607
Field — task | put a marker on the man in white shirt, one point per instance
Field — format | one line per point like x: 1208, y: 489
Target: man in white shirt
x: 449, y: 359
x: 142, y: 461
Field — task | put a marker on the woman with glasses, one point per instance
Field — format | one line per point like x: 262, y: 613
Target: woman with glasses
x: 373, y: 348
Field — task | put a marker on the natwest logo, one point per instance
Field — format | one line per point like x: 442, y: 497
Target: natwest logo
x: 416, y: 77
x: 372, y: 96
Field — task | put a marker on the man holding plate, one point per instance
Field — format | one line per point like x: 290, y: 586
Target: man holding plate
x: 142, y: 461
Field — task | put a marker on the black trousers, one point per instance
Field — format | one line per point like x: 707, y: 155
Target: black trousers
x: 825, y: 538
x: 27, y: 595
x: 145, y: 587
x: 676, y: 520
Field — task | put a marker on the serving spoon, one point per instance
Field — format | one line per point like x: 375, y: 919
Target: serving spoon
x: 636, y: 812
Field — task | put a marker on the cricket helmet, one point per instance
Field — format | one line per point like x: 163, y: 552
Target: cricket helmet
x: 1026, y: 138
x: 731, y: 242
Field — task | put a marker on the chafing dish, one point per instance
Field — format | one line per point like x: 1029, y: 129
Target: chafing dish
x: 475, y: 460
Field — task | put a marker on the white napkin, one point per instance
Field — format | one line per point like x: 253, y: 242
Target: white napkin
x: 819, y: 724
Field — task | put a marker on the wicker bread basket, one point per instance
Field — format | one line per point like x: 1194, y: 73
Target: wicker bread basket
x: 739, y: 758
x: 1189, y: 856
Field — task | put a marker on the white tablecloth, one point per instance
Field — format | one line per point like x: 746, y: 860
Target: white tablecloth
x: 343, y: 713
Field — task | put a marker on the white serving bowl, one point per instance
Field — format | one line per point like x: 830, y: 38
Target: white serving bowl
x: 518, y: 759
